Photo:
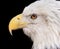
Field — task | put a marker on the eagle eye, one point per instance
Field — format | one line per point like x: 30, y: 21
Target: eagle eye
x: 34, y: 16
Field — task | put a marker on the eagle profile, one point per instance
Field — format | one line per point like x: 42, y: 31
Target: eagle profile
x: 41, y: 22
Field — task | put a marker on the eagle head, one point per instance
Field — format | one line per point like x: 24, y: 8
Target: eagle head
x: 40, y: 21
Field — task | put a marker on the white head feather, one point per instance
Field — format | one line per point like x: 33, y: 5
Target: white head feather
x: 48, y: 0
x: 45, y: 30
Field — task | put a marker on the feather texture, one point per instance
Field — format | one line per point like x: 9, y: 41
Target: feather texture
x: 47, y: 0
x: 45, y: 30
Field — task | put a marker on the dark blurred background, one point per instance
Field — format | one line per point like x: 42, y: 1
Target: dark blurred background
x: 9, y: 9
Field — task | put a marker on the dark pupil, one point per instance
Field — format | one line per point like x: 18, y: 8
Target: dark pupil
x: 33, y: 16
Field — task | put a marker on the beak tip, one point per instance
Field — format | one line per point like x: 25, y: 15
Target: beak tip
x: 10, y: 32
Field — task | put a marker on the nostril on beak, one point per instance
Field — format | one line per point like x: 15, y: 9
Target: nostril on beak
x: 18, y: 18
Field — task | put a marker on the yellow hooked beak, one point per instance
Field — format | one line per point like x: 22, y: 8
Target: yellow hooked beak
x: 16, y: 23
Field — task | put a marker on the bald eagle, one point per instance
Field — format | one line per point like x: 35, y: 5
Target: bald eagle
x: 41, y: 22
